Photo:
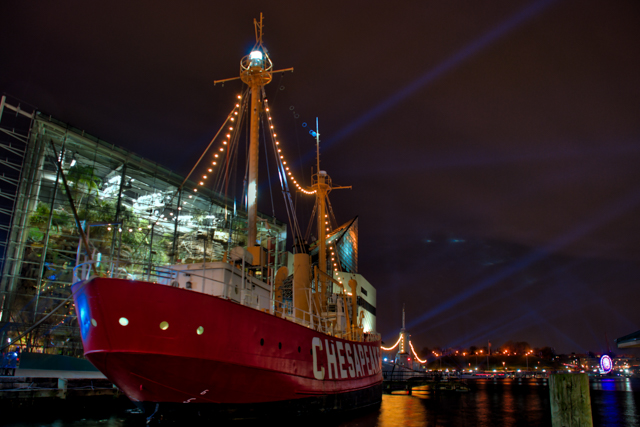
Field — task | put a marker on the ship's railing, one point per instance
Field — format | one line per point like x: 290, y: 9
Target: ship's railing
x: 301, y: 317
x: 323, y: 324
x: 85, y: 271
x: 242, y: 293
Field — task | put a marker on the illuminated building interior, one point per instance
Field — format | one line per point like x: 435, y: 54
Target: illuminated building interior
x: 138, y: 217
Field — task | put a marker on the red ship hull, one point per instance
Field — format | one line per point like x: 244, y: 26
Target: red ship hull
x: 180, y: 348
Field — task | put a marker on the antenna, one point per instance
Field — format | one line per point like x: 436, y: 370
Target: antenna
x: 317, y: 135
x: 402, y: 316
x: 258, y: 29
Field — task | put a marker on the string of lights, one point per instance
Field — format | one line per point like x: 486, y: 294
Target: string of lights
x: 226, y: 141
x: 394, y: 346
x: 281, y: 155
x: 415, y: 355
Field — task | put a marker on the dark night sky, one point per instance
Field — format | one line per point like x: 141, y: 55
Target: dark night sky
x: 493, y: 149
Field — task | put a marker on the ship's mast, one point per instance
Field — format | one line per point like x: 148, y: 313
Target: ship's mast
x: 256, y: 70
x: 322, y: 187
x: 256, y: 73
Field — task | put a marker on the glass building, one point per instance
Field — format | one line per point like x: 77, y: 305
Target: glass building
x: 135, y: 212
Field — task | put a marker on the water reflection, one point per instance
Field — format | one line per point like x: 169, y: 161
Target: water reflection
x: 501, y: 403
x: 614, y: 401
x: 398, y: 410
x: 488, y: 403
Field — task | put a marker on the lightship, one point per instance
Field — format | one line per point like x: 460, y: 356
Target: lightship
x: 215, y: 337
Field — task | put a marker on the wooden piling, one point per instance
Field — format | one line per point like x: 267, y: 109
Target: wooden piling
x: 570, y: 400
x: 62, y: 388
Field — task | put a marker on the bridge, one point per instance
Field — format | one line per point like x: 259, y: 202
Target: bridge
x: 403, y: 357
x: 407, y: 380
x: 400, y: 374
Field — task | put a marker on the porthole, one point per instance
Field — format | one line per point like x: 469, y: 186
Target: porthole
x: 164, y: 325
x: 93, y: 322
x: 299, y: 349
x: 189, y: 285
x: 124, y: 321
x: 261, y: 341
x: 280, y: 345
x: 200, y: 330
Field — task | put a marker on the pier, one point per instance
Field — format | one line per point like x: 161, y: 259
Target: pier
x: 46, y: 399
x: 25, y: 389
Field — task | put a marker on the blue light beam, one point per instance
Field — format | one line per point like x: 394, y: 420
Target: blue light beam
x: 602, y: 217
x: 448, y: 64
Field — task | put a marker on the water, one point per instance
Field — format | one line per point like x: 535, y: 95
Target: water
x: 503, y: 402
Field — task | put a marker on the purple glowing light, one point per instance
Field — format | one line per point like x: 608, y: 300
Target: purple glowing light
x: 606, y: 364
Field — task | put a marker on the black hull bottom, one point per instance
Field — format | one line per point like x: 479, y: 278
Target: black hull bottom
x: 312, y: 406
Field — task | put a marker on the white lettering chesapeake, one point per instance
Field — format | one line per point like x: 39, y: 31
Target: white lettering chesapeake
x: 372, y: 365
x: 331, y: 359
x: 363, y: 360
x: 369, y: 359
x: 356, y: 359
x: 376, y: 362
x: 316, y: 344
x: 347, y: 352
x: 343, y: 373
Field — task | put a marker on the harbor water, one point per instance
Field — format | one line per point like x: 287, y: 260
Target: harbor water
x: 489, y: 402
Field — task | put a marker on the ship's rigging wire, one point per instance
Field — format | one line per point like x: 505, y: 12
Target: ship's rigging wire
x: 332, y: 218
x: 291, y: 215
x: 205, y: 151
x: 266, y: 154
x: 227, y: 165
x: 245, y: 189
x: 266, y: 159
x: 307, y: 234
x: 224, y: 173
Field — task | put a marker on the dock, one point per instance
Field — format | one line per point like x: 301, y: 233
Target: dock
x: 27, y: 388
x: 30, y: 399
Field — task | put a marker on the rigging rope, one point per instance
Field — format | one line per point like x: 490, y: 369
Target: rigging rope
x: 307, y: 234
x: 293, y: 221
x: 266, y: 159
